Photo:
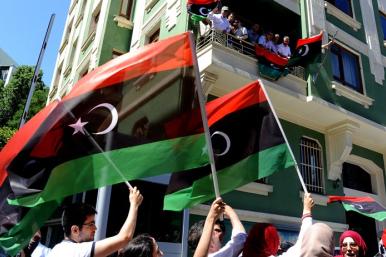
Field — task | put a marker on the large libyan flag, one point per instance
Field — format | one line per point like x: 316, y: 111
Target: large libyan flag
x: 247, y: 142
x: 110, y: 128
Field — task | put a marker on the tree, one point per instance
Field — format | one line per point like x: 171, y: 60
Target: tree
x: 13, y: 98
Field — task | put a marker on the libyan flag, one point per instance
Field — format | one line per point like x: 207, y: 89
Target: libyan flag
x: 366, y: 206
x: 273, y: 66
x: 199, y: 9
x: 110, y: 128
x: 307, y: 50
x: 247, y: 143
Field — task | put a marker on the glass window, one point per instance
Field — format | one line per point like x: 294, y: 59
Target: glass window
x: 311, y: 165
x: 383, y: 23
x: 345, y: 68
x: 355, y: 177
x: 343, y: 5
x: 126, y: 6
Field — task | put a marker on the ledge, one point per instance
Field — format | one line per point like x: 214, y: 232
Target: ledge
x: 318, y: 199
x: 78, y: 20
x: 331, y: 9
x: 123, y: 22
x: 351, y: 94
x: 88, y: 41
x: 256, y: 188
x: 150, y: 4
x: 63, y: 46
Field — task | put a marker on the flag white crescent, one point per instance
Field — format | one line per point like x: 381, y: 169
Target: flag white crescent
x: 227, y: 140
x: 114, y: 117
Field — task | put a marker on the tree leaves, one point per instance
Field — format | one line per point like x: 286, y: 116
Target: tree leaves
x: 14, y: 96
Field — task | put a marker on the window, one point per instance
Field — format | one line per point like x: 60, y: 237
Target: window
x: 383, y: 23
x: 94, y: 23
x: 345, y: 68
x: 311, y: 165
x: 355, y: 177
x: 126, y: 6
x: 343, y: 5
x: 154, y: 37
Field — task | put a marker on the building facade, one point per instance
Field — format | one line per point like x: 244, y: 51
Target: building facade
x: 332, y: 112
x: 7, y: 67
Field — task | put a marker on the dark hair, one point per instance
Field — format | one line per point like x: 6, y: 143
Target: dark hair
x: 75, y: 214
x: 221, y: 224
x: 195, y: 232
x: 284, y: 246
x: 140, y: 246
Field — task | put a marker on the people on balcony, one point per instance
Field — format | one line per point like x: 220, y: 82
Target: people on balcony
x: 283, y: 49
x: 254, y: 33
x: 266, y: 41
x: 220, y: 20
x: 240, y: 32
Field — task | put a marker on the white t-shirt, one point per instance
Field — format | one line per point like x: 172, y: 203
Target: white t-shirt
x: 41, y: 251
x: 219, y: 22
x: 233, y: 247
x: 68, y: 248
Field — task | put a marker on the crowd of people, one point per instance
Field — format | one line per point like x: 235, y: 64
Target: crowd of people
x: 205, y: 237
x: 225, y: 21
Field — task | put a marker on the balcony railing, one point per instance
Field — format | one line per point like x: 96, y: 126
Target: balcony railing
x: 241, y: 46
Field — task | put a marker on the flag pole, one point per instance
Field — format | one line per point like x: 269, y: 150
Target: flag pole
x: 285, y: 137
x: 204, y: 117
x: 315, y: 77
x: 95, y: 143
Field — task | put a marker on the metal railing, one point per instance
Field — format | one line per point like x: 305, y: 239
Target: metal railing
x: 241, y: 46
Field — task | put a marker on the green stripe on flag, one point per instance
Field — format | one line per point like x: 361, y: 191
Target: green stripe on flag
x: 259, y: 165
x: 135, y: 162
x: 381, y: 215
x: 20, y: 234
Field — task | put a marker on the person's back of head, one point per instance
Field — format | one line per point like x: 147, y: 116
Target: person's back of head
x: 317, y: 241
x: 262, y: 241
x: 140, y: 246
x: 75, y: 215
x: 195, y: 233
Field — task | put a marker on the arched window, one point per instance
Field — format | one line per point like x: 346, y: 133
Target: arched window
x: 311, y: 165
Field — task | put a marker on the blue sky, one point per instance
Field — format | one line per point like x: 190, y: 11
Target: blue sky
x: 23, y: 26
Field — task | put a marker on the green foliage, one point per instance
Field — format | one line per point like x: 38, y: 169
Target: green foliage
x: 13, y: 98
x: 5, y: 134
x: 16, y: 92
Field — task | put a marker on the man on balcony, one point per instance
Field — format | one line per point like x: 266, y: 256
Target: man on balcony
x: 220, y: 20
x: 283, y: 49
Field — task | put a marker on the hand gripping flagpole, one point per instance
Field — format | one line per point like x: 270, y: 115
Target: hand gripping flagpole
x: 285, y: 138
x: 204, y: 118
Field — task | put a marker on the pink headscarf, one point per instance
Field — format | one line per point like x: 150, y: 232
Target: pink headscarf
x: 262, y: 241
x: 357, y: 239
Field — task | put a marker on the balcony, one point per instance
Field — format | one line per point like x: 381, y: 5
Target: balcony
x: 227, y: 63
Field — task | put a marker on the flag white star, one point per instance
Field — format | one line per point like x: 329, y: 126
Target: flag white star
x: 78, y: 126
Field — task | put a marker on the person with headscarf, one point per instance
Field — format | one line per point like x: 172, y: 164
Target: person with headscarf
x: 317, y: 241
x: 352, y: 244
x: 263, y: 239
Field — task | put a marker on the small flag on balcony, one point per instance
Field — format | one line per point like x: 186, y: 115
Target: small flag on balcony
x: 307, y: 50
x: 247, y: 143
x: 199, y: 9
x: 366, y: 206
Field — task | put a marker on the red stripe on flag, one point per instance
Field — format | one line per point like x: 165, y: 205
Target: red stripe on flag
x: 19, y: 140
x: 309, y: 40
x: 270, y: 56
x: 336, y: 198
x: 202, y: 2
x: 237, y: 100
x: 176, y: 53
